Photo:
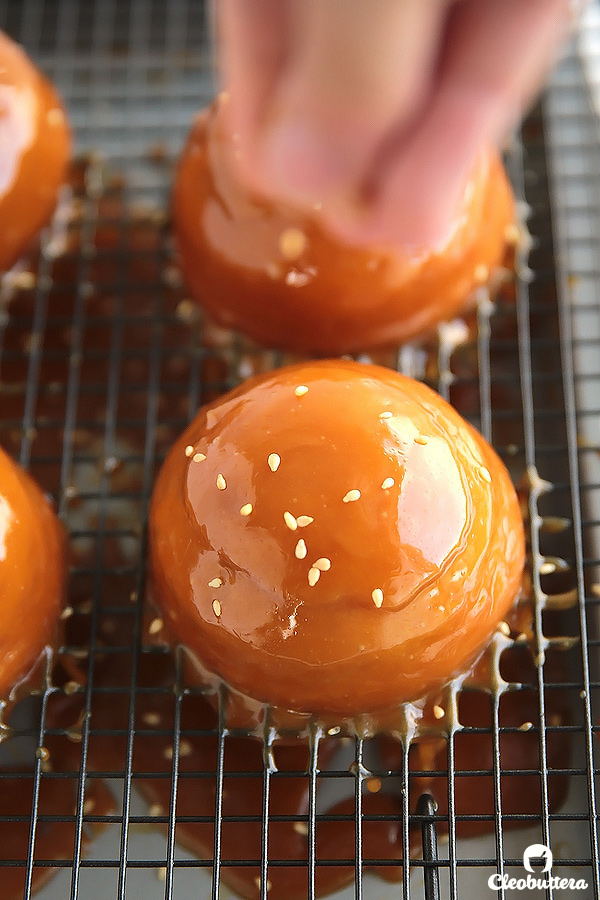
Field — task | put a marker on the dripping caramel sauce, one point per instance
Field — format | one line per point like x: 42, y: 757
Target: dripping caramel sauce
x: 462, y: 710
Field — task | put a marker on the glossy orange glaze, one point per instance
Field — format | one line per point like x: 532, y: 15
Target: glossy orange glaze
x: 414, y: 576
x: 35, y: 141
x: 280, y: 277
x: 32, y: 572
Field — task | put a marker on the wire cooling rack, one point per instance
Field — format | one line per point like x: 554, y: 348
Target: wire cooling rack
x: 103, y: 361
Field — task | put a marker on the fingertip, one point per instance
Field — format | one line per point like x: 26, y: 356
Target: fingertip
x: 411, y: 214
x: 296, y: 164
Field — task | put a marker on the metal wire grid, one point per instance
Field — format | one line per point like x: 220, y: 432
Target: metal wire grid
x: 132, y: 75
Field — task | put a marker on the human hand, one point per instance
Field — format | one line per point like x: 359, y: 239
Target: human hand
x: 374, y: 112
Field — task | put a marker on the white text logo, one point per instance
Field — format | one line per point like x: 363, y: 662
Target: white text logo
x: 541, y: 882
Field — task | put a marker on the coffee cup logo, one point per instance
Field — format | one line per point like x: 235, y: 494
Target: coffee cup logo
x: 537, y: 851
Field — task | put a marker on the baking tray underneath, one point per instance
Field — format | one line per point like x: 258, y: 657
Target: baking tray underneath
x: 103, y: 361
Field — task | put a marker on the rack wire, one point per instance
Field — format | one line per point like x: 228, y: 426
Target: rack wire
x: 103, y: 361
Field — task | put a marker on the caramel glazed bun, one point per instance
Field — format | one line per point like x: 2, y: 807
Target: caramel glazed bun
x: 32, y: 574
x: 333, y: 539
x: 36, y: 142
x: 278, y: 276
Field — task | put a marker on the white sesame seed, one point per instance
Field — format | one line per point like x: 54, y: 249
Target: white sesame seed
x: 387, y: 483
x: 504, y: 628
x: 481, y: 273
x: 221, y: 483
x: 301, y: 828
x: 42, y: 753
x: 351, y: 496
x: 187, y: 311
x: 303, y: 521
x: 485, y: 474
x: 215, y: 583
x: 526, y: 726
x: 438, y: 712
x: 386, y: 415
x: 151, y: 718
x: 216, y: 608
x: 377, y: 596
x: 323, y: 564
x: 88, y: 806
x: 155, y: 810
x: 313, y: 576
x: 185, y: 748
x: 199, y: 457
x: 335, y: 729
x: 292, y: 243
x: 301, y: 390
x: 300, y: 550
x: 66, y: 613
x: 290, y: 521
x: 189, y: 450
x: 422, y: 439
x: 246, y: 509
x: 55, y: 116
x: 274, y: 460
x: 512, y: 234
x: 155, y: 626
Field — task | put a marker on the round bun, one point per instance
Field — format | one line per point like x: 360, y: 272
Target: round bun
x: 278, y: 276
x: 35, y: 141
x: 32, y: 574
x: 332, y: 538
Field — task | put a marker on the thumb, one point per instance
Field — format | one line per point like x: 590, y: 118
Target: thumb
x: 352, y: 70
